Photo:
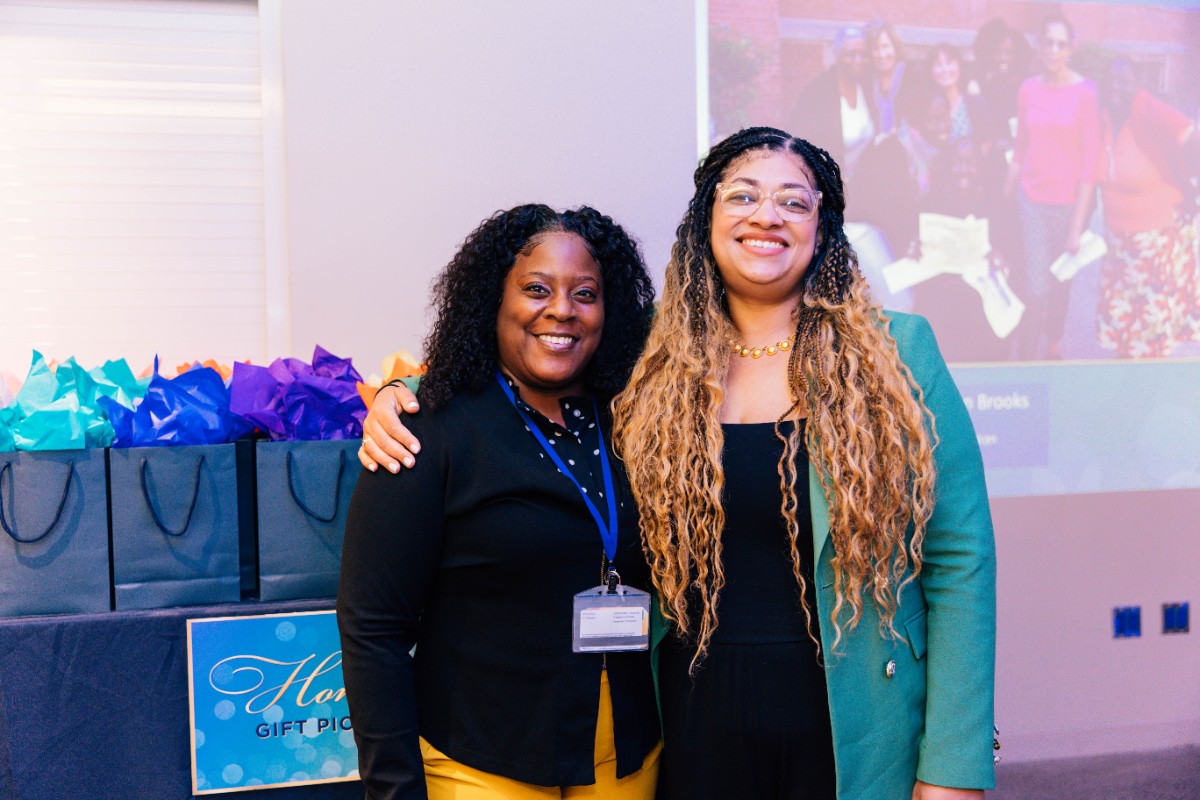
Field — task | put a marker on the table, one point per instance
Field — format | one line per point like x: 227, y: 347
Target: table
x: 96, y: 706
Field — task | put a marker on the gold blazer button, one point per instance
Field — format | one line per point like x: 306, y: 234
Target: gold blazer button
x: 890, y: 669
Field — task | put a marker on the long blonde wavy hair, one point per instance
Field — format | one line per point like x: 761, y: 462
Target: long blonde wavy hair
x: 869, y: 436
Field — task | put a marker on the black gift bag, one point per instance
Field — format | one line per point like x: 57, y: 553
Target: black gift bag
x: 304, y: 490
x: 53, y: 533
x: 174, y: 525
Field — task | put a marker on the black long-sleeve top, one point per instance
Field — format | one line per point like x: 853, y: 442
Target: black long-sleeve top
x: 474, y: 555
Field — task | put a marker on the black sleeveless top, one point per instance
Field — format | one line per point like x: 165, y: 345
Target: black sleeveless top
x: 761, y: 599
x: 753, y: 721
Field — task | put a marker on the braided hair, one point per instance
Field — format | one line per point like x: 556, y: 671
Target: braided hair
x: 461, y: 350
x: 866, y: 436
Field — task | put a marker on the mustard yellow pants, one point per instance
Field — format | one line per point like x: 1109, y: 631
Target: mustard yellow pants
x: 446, y: 779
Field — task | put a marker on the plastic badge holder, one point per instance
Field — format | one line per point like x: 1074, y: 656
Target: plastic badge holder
x: 611, y: 618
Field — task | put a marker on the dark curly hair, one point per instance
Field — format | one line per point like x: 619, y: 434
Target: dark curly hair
x: 461, y: 350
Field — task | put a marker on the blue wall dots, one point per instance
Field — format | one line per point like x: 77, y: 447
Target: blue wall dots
x: 1127, y: 622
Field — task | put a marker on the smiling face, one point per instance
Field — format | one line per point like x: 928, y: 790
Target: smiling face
x: 1005, y: 55
x: 852, y: 58
x: 937, y: 123
x: 551, y: 317
x: 763, y: 257
x: 883, y: 54
x: 1055, y: 47
x: 945, y: 70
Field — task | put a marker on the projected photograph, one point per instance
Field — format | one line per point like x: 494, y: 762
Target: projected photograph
x: 1023, y: 174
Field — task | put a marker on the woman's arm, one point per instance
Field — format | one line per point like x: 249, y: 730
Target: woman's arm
x: 390, y: 558
x: 1080, y: 213
x: 958, y: 579
x: 386, y: 440
x: 1089, y: 147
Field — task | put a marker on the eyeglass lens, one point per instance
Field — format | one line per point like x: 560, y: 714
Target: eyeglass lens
x: 792, y: 204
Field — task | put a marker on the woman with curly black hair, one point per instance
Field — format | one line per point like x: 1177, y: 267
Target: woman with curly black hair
x: 474, y: 556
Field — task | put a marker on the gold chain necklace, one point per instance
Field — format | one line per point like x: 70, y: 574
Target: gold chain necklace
x: 758, y: 352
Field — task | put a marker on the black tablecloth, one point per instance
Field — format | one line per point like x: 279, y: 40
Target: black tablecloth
x: 95, y: 706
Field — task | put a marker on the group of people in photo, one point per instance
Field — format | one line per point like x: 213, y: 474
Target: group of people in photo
x: 1058, y: 147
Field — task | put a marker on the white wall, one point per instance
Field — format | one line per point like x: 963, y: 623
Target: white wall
x: 1064, y: 685
x: 407, y: 123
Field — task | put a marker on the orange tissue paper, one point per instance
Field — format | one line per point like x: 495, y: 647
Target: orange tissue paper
x: 400, y: 364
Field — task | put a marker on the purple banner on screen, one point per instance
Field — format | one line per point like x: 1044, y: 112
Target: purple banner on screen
x: 1012, y: 423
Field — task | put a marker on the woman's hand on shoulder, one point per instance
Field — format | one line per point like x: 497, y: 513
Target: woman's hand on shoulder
x: 927, y: 791
x: 385, y: 439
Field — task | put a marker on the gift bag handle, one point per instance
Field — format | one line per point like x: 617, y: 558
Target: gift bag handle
x: 162, y: 526
x: 10, y: 529
x: 337, y: 489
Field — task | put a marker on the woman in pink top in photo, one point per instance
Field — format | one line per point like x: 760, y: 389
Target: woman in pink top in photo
x: 1054, y: 174
x: 1150, y: 279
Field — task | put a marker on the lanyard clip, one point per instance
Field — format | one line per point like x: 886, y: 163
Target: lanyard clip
x: 614, y: 579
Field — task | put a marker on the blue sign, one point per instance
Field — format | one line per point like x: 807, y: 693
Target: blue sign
x: 268, y: 703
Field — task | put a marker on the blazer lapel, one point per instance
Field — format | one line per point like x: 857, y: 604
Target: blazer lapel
x: 819, y: 511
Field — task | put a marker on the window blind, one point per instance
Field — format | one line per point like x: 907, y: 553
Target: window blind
x: 131, y: 181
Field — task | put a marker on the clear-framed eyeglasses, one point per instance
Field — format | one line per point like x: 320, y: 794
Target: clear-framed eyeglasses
x: 795, y: 204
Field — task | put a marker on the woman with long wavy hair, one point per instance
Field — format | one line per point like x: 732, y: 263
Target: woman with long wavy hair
x: 812, y: 507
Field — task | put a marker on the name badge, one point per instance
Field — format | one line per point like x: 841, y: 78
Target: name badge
x: 609, y: 621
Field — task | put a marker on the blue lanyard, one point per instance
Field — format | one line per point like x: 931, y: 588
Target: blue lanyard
x: 608, y: 533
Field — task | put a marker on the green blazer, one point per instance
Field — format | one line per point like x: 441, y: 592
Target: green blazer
x: 931, y: 719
